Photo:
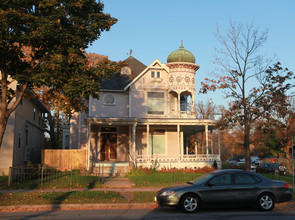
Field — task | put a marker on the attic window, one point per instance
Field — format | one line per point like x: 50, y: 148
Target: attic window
x: 109, y: 99
x: 126, y: 70
x: 155, y: 74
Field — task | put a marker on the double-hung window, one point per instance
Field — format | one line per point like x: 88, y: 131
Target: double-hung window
x: 155, y: 103
x: 156, y: 74
x: 157, y: 142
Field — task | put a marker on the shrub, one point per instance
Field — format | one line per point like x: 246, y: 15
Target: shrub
x: 206, y: 169
x: 140, y: 171
x: 233, y: 166
x: 215, y: 166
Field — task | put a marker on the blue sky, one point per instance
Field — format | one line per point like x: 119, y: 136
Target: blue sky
x: 154, y: 28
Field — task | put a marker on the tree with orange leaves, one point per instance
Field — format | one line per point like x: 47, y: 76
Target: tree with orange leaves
x: 255, y: 90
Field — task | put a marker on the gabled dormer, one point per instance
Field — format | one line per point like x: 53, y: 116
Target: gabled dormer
x: 148, y: 92
x: 151, y: 76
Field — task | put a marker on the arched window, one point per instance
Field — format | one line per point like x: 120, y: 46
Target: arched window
x: 109, y: 99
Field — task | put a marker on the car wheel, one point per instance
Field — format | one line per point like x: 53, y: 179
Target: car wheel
x: 189, y: 203
x: 266, y: 202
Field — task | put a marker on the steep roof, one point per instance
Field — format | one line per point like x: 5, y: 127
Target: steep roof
x: 119, y: 81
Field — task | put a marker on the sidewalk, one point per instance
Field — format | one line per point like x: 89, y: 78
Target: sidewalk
x: 121, y: 185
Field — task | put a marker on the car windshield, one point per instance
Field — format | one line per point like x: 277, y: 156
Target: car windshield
x: 202, y: 179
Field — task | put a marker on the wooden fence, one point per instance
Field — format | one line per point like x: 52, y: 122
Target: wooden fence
x: 64, y: 159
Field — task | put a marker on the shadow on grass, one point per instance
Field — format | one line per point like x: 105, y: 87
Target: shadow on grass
x: 56, y: 204
x: 93, y: 183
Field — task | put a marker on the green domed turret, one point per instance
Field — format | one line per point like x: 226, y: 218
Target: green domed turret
x: 181, y: 55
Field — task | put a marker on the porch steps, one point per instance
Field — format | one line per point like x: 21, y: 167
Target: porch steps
x: 112, y: 169
x: 118, y: 182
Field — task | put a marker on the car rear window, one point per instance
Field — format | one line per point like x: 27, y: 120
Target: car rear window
x: 244, y: 178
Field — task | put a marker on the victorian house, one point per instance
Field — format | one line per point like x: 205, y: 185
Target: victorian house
x: 145, y: 116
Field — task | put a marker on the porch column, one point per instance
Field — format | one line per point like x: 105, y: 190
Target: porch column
x: 186, y: 145
x: 148, y: 141
x: 211, y: 141
x: 178, y: 105
x: 133, y: 143
x: 207, y: 146
x: 178, y: 141
x: 203, y: 152
x: 196, y: 143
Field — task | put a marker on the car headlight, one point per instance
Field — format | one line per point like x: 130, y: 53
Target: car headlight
x: 168, y: 193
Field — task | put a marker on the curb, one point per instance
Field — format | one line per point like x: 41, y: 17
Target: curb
x: 55, y: 207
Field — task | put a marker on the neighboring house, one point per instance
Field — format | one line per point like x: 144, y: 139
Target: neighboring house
x: 145, y: 116
x: 24, y: 134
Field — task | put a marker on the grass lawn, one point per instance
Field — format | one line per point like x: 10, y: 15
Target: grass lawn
x: 58, y: 182
x: 3, y: 182
x: 162, y: 179
x: 72, y: 197
x: 141, y: 179
x: 286, y: 178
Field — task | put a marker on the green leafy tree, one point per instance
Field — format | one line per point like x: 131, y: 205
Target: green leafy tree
x: 42, y: 44
x: 255, y: 90
x: 61, y: 107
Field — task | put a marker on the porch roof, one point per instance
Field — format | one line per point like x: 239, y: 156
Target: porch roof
x: 151, y: 121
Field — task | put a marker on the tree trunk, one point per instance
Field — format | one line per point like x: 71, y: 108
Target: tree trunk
x: 51, y: 132
x: 58, y: 131
x: 3, y: 123
x: 247, y: 146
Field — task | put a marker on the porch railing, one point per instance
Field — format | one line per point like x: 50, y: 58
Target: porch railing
x: 177, y: 158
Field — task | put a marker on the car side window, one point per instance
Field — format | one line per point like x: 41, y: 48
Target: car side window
x: 244, y: 178
x: 220, y: 180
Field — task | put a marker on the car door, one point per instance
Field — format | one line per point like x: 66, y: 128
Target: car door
x: 246, y: 188
x: 218, y: 190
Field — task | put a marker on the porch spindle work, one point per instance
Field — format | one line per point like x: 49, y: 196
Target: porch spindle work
x: 133, y: 142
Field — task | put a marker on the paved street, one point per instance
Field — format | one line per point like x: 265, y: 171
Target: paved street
x: 158, y: 213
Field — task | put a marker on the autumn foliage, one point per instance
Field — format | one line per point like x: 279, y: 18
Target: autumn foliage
x: 255, y: 89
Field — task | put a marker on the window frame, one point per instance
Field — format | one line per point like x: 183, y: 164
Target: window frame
x: 164, y: 135
x: 150, y: 99
x: 220, y: 175
x: 106, y: 103
x: 19, y: 139
x: 156, y: 75
x: 256, y: 179
x: 34, y: 112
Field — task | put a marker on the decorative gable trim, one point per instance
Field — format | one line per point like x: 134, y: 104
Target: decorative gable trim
x: 156, y: 64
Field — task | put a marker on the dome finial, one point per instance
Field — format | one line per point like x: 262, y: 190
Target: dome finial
x: 181, y: 46
x: 181, y: 55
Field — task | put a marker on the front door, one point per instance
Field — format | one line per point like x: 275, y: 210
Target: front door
x: 108, y: 147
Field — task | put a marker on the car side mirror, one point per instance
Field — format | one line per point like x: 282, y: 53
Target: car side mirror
x: 211, y: 184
